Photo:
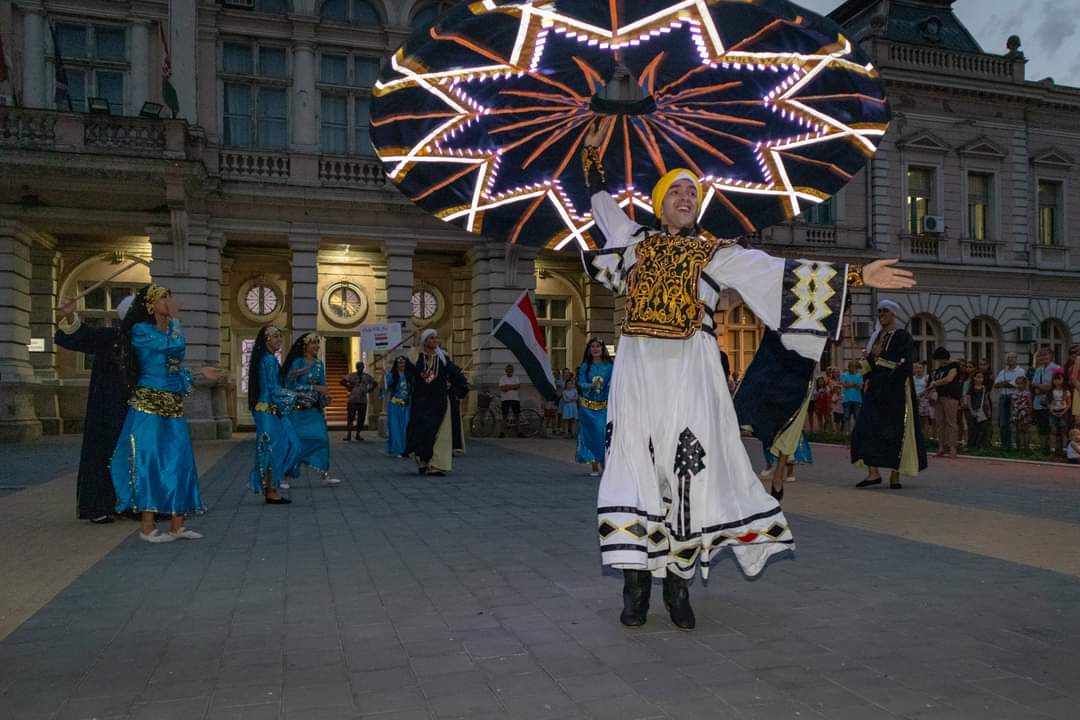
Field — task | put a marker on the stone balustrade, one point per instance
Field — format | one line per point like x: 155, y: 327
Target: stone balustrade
x: 820, y: 234
x: 345, y: 171
x: 925, y: 248
x: 23, y: 128
x: 244, y: 164
x: 948, y: 62
x: 135, y: 136
x: 96, y: 134
x: 981, y: 252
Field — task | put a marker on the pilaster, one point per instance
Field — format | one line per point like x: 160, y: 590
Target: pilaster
x: 304, y: 242
x: 599, y: 312
x: 399, y: 286
x: 33, y: 59
x: 18, y: 418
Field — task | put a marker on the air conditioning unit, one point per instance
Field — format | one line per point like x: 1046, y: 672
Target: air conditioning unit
x: 863, y: 329
x: 934, y: 224
x: 242, y: 4
x: 1025, y: 334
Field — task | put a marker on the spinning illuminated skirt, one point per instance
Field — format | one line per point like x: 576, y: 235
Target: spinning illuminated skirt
x: 480, y: 119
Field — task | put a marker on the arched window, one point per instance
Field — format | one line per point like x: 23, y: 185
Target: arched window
x: 926, y: 336
x: 742, y: 335
x: 1054, y: 335
x: 356, y: 12
x: 981, y: 341
x: 272, y: 7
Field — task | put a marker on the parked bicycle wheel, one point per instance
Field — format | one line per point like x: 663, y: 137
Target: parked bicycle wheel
x: 530, y: 424
x: 482, y: 423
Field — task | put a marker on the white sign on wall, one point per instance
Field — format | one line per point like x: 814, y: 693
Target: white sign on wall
x: 36, y: 345
x: 380, y: 337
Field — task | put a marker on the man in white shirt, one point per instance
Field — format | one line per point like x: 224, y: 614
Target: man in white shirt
x: 1006, y: 383
x: 511, y: 401
x: 1041, y: 379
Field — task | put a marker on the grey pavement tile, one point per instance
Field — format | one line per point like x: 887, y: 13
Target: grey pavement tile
x: 414, y: 714
x: 269, y: 711
x: 171, y: 710
x: 1021, y: 690
x: 439, y: 664
x: 593, y: 687
x: 233, y: 695
x: 384, y: 701
x: 180, y: 690
x: 626, y: 707
x: 89, y: 708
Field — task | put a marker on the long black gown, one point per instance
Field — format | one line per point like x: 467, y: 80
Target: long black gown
x: 430, y: 399
x: 106, y: 408
x: 886, y: 433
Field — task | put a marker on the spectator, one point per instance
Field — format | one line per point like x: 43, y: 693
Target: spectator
x: 851, y: 382
x: 925, y: 399
x: 1072, y: 452
x: 594, y: 385
x: 1041, y: 378
x: 949, y: 386
x: 1006, y: 383
x: 837, y: 406
x: 1022, y: 413
x: 511, y: 400
x: 1072, y: 369
x: 568, y: 407
x: 822, y: 404
x: 359, y: 384
x: 980, y: 409
x: 1059, y: 401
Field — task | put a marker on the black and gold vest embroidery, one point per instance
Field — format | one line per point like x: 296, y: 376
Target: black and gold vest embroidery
x: 662, y: 289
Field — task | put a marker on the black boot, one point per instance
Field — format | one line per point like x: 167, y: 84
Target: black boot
x: 637, y: 585
x: 677, y: 600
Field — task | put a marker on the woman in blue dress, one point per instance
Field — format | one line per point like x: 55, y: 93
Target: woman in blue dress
x: 594, y: 381
x: 153, y: 465
x: 277, y: 447
x: 305, y: 374
x: 397, y: 391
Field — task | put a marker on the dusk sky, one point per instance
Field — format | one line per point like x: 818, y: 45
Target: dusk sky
x: 1049, y: 30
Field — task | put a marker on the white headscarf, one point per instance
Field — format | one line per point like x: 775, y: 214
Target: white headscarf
x: 440, y: 354
x: 883, y: 304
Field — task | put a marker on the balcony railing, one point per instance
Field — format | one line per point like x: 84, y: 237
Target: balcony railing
x: 243, y: 164
x: 982, y: 252
x: 37, y: 129
x: 32, y: 129
x: 820, y: 234
x: 136, y: 136
x: 925, y: 248
x: 1051, y: 257
x: 948, y: 62
x: 351, y: 172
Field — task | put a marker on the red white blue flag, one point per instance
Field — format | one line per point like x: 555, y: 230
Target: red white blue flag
x: 521, y: 334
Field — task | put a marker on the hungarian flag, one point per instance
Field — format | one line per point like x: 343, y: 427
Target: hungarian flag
x: 520, y: 333
x: 60, y: 94
x: 168, y: 92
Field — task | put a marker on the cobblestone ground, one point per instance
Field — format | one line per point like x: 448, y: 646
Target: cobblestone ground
x: 480, y: 595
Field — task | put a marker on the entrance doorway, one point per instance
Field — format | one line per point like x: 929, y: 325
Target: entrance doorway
x: 338, y: 365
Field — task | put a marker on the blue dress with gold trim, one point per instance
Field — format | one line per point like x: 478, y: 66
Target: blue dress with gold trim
x: 397, y: 412
x: 153, y: 465
x: 594, y: 383
x: 308, y: 417
x: 277, y: 446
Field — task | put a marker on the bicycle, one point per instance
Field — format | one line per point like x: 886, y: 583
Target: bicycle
x: 529, y: 423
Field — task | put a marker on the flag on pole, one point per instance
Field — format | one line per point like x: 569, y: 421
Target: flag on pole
x: 521, y: 334
x: 168, y: 92
x: 3, y: 61
x: 60, y: 94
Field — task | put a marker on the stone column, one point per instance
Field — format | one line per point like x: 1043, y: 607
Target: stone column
x: 304, y: 96
x: 499, y: 275
x: 45, y: 261
x: 140, y: 65
x: 399, y: 286
x: 183, y: 21
x: 304, y: 243
x: 461, y: 307
x: 195, y: 283
x: 599, y: 312
x: 33, y: 60
x: 18, y: 419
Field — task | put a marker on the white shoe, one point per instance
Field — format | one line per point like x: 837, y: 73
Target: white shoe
x: 333, y: 481
x: 157, y: 536
x: 594, y: 474
x: 284, y: 486
x: 766, y: 474
x: 791, y: 478
x: 185, y: 534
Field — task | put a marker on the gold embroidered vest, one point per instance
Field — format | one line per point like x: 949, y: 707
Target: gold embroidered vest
x: 662, y: 289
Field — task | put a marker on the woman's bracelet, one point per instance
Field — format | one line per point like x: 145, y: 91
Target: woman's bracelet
x: 855, y: 276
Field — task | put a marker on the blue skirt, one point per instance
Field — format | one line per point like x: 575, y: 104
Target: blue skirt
x: 153, y: 466
x: 803, y: 456
x: 397, y: 425
x: 277, y: 448
x: 310, y: 426
x: 591, y: 435
x: 569, y: 411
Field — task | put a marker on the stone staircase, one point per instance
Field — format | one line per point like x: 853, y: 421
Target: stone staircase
x: 337, y: 367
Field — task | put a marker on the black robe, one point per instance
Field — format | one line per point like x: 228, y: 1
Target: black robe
x: 888, y: 416
x: 106, y: 408
x: 774, y: 389
x: 430, y: 400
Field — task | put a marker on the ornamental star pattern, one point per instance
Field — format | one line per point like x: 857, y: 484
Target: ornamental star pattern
x: 489, y: 142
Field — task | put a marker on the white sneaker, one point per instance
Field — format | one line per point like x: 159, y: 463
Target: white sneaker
x: 185, y: 534
x: 284, y: 486
x: 333, y: 481
x: 157, y: 536
x: 766, y: 474
x: 791, y: 478
x: 594, y: 474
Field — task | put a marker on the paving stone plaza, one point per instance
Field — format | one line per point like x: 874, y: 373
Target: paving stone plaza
x: 481, y: 596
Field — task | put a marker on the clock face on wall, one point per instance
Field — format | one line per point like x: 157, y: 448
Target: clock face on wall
x: 344, y: 303
x: 262, y: 300
x: 424, y: 305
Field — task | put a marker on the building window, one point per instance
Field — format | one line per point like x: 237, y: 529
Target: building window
x: 553, y: 314
x: 272, y: 7
x: 356, y: 12
x: 921, y: 197
x: 260, y: 301
x: 247, y: 347
x: 925, y: 335
x: 98, y: 309
x: 1050, y: 212
x: 96, y: 63
x: 1054, y: 335
x: 345, y: 107
x: 427, y: 305
x: 256, y: 107
x: 742, y: 331
x: 823, y: 213
x: 979, y: 187
x: 980, y: 341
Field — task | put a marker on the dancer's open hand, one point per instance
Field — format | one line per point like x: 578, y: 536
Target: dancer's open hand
x: 882, y: 275
x: 212, y: 374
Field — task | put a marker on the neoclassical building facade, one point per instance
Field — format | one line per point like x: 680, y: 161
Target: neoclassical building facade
x: 261, y: 201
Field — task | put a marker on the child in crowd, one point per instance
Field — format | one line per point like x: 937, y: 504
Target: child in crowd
x: 1060, y: 412
x: 838, y: 406
x: 851, y: 382
x: 980, y: 407
x: 568, y: 407
x: 551, y: 416
x: 822, y: 404
x: 1072, y: 452
x: 1023, y: 413
x: 926, y: 405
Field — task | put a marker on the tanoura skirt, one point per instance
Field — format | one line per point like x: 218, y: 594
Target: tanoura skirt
x: 153, y: 466
x: 678, y: 485
x: 310, y: 427
x: 277, y: 449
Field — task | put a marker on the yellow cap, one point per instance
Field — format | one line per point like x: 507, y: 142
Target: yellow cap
x: 664, y: 184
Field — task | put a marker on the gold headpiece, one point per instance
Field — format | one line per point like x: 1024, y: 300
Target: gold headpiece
x: 153, y: 294
x: 272, y: 330
x: 311, y: 339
